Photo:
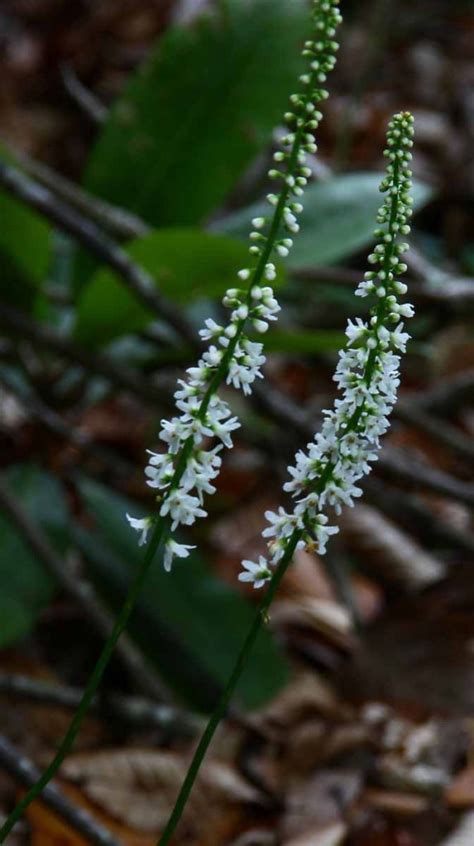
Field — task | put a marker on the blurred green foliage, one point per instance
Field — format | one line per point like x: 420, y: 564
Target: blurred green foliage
x: 190, y: 624
x: 26, y: 586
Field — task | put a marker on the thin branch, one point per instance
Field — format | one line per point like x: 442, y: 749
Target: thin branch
x: 88, y: 102
x: 447, y: 434
x: 446, y: 289
x: 448, y: 396
x: 134, y: 710
x: 99, y: 364
x: 440, y: 284
x: 52, y: 421
x: 407, y: 468
x: 395, y: 464
x: 137, y: 280
x: 80, y: 591
x: 415, y: 515
x: 24, y: 771
x: 117, y: 221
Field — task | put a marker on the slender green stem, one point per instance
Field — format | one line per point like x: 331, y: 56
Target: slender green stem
x: 92, y: 684
x: 259, y: 620
x: 325, y: 477
x: 160, y: 526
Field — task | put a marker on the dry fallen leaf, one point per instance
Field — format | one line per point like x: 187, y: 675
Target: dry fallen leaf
x: 137, y: 788
x: 395, y: 804
x: 309, y: 695
x: 460, y: 793
x: 332, y: 835
x: 323, y: 616
x: 48, y: 830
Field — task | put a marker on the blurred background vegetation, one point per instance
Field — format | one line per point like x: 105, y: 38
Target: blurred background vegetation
x: 135, y: 139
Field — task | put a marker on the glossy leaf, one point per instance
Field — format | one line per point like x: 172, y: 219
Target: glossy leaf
x: 338, y: 218
x: 25, y: 248
x: 187, y: 265
x: 196, y: 114
x: 304, y: 341
x: 26, y: 586
x: 188, y: 622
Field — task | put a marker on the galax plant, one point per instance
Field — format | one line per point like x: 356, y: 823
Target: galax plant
x: 325, y: 477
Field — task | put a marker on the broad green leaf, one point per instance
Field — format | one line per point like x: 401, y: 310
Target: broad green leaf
x: 304, y: 341
x: 338, y: 218
x: 25, y: 246
x: 198, y: 111
x: 26, y: 587
x: 189, y: 623
x: 187, y: 265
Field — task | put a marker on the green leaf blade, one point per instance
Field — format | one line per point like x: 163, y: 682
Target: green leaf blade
x: 26, y: 586
x: 198, y: 112
x: 337, y: 221
x: 186, y: 265
x: 189, y: 623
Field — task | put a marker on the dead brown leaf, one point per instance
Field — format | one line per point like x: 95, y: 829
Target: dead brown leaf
x: 137, y: 788
x: 460, y: 793
x: 333, y: 835
x: 395, y: 804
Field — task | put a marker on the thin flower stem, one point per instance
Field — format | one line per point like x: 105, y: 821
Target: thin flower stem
x: 219, y: 712
x: 220, y: 709
x: 91, y: 687
x: 160, y: 526
x: 326, y: 18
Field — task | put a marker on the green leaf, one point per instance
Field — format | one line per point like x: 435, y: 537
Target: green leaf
x: 189, y: 623
x: 338, y: 218
x: 25, y: 238
x: 200, y: 109
x: 304, y: 342
x: 25, y: 247
x: 26, y: 586
x: 186, y: 264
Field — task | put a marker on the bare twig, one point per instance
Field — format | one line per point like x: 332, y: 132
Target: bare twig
x: 440, y: 284
x: 80, y: 592
x: 134, y: 710
x: 52, y: 421
x: 393, y: 463
x: 443, y: 432
x: 44, y: 336
x: 26, y: 773
x: 445, y: 288
x: 139, y: 282
x: 117, y: 221
x: 397, y: 464
x: 412, y: 512
x: 88, y: 102
x: 448, y: 396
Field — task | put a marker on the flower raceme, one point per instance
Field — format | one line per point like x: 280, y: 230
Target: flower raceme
x: 185, y: 471
x: 325, y: 476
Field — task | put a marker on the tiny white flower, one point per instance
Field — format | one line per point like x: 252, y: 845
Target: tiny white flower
x: 211, y: 330
x: 142, y: 525
x: 174, y: 550
x: 258, y: 573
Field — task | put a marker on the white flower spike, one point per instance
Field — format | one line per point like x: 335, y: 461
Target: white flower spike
x: 326, y: 476
x: 183, y: 474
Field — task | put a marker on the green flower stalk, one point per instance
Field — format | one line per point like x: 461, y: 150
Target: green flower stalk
x: 185, y: 472
x: 324, y: 477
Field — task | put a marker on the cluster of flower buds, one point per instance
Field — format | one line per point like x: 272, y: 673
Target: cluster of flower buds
x: 291, y: 164
x: 325, y: 476
x: 185, y: 472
